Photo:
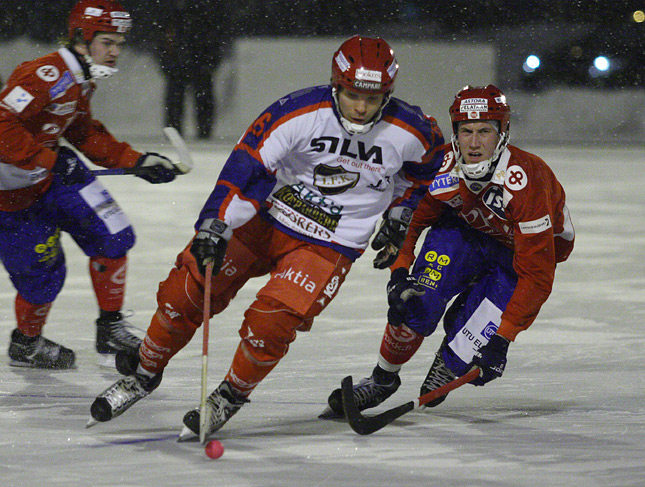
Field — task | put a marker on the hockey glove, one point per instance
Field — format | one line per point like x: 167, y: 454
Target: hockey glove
x: 491, y: 359
x: 391, y: 235
x: 400, y: 289
x: 210, y: 244
x: 155, y: 168
x: 69, y: 168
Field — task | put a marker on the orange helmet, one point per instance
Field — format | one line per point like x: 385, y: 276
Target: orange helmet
x: 365, y: 65
x: 92, y: 16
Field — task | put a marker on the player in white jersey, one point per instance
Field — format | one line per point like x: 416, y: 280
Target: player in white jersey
x: 297, y: 200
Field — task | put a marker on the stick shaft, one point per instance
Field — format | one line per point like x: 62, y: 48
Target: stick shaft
x: 203, y: 415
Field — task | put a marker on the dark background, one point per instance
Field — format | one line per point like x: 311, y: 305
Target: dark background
x: 566, y: 35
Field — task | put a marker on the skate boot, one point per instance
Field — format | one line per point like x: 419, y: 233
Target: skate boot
x: 368, y: 393
x: 438, y: 375
x: 38, y: 352
x: 112, y: 335
x: 221, y: 405
x: 121, y: 396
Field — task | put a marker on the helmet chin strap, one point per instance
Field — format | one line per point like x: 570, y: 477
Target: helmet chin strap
x: 99, y: 71
x: 357, y: 128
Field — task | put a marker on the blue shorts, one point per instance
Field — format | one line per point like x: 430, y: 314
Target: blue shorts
x: 456, y: 261
x: 30, y: 244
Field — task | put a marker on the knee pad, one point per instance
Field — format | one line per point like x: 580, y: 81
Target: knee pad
x: 268, y: 329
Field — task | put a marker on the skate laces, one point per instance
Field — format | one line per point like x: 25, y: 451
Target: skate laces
x: 369, y: 393
x: 121, y: 330
x: 439, y: 374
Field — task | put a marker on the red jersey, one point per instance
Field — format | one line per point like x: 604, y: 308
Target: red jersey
x: 44, y: 100
x: 523, y: 206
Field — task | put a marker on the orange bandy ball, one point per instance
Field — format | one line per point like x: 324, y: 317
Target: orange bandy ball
x: 214, y: 449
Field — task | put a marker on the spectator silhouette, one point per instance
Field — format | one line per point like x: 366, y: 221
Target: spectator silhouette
x: 194, y: 37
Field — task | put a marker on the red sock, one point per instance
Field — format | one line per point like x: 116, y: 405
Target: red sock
x: 398, y: 346
x: 108, y: 279
x: 31, y: 317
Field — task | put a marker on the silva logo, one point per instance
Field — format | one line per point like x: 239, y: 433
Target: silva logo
x: 298, y: 278
x: 373, y: 155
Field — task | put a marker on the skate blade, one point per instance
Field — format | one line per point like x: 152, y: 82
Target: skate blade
x: 329, y: 413
x: 186, y: 435
x: 91, y: 423
x: 107, y: 360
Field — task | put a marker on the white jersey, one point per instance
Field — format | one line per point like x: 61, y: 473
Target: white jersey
x: 315, y: 180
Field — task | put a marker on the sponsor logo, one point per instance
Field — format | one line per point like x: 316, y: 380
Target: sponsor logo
x: 536, y: 226
x: 298, y: 278
x: 334, y: 180
x: 61, y: 109
x: 18, y: 99
x: 493, y: 199
x: 489, y: 330
x: 331, y: 287
x: 50, y: 128
x: 342, y: 62
x: 392, y: 68
x: 366, y: 85
x: 48, y: 73
x: 516, y: 178
x: 94, y: 12
x: 290, y: 197
x: 61, y: 86
x: 49, y: 250
x: 333, y: 145
x: 444, y: 181
x: 368, y: 75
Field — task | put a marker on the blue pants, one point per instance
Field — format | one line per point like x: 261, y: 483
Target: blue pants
x: 30, y: 245
x: 459, y: 262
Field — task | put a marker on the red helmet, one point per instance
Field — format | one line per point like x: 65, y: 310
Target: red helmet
x: 92, y: 16
x: 474, y: 103
x: 365, y: 65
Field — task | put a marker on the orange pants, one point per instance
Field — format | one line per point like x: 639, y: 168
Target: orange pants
x: 304, y: 278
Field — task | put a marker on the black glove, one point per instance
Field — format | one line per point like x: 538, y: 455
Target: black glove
x: 210, y: 244
x: 401, y: 287
x: 491, y: 359
x: 391, y: 235
x: 155, y: 168
x: 69, y: 167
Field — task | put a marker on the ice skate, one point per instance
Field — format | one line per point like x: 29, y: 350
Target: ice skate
x: 38, y: 352
x: 221, y: 405
x: 121, y: 396
x: 438, y: 375
x: 112, y: 335
x: 368, y: 393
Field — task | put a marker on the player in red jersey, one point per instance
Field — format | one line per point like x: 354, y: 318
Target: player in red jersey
x: 498, y: 225
x: 45, y: 189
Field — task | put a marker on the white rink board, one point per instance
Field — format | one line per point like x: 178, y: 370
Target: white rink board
x: 569, y: 411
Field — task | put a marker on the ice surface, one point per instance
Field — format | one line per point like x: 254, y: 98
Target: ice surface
x: 569, y: 411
